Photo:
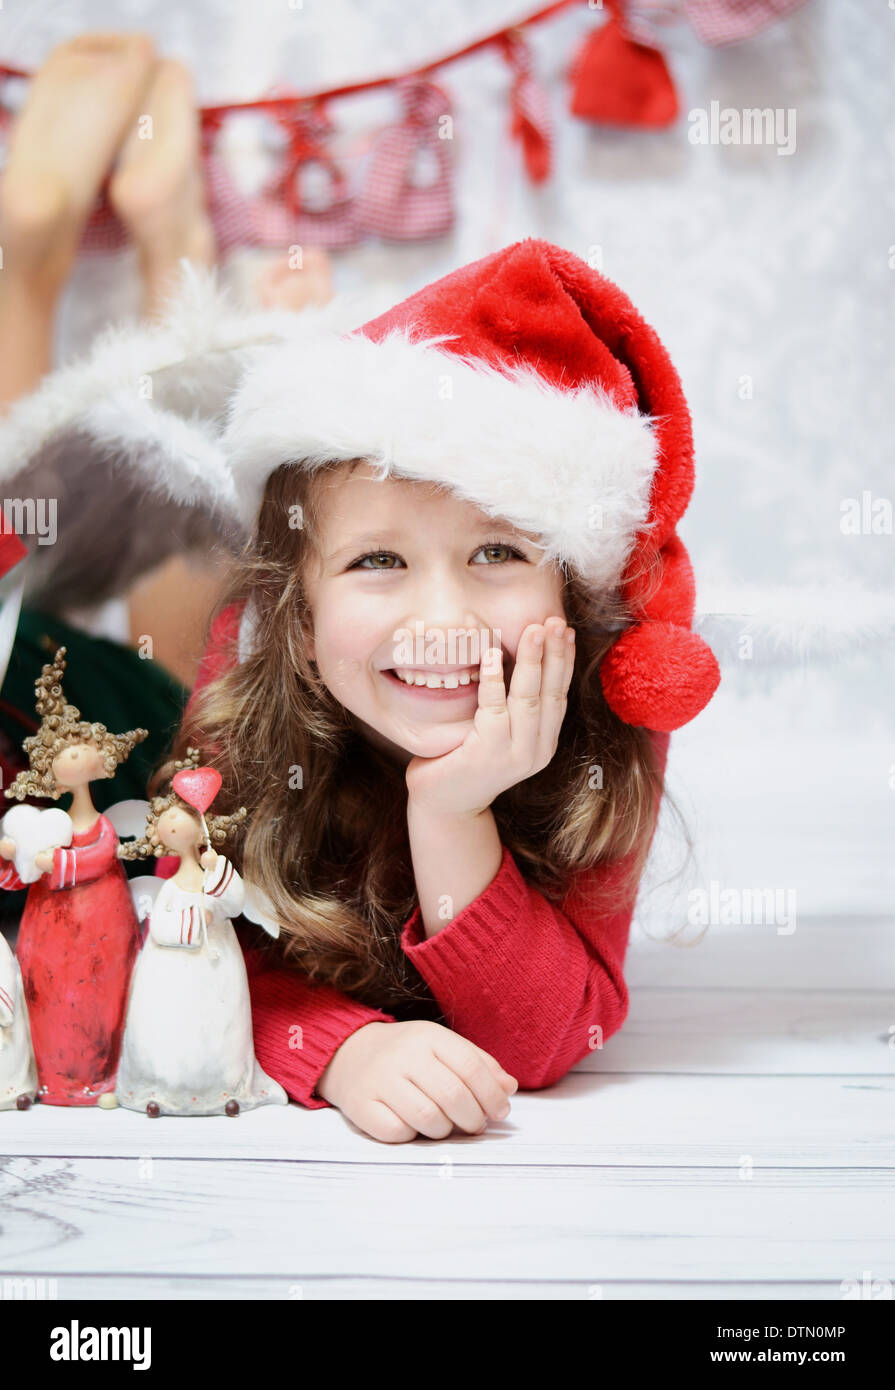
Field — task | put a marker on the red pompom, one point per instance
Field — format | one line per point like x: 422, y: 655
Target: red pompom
x: 659, y: 676
x: 621, y: 81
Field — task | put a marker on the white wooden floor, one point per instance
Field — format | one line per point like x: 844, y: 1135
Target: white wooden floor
x: 736, y: 1139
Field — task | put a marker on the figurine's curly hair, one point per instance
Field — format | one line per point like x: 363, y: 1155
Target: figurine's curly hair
x: 61, y: 725
x: 219, y: 827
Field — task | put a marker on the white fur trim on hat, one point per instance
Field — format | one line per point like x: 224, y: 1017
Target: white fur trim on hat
x: 565, y: 464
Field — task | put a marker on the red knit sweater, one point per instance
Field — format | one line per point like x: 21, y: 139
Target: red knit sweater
x: 535, y: 985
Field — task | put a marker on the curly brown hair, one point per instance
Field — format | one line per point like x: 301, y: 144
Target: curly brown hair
x: 61, y: 726
x: 149, y: 843
x: 331, y: 848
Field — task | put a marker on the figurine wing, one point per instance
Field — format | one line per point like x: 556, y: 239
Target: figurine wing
x: 7, y: 983
x: 259, y: 909
x: 145, y: 889
x: 128, y: 818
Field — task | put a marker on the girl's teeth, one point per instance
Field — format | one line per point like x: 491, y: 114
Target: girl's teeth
x: 448, y: 682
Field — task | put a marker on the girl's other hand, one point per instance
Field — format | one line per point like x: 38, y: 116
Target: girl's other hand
x: 209, y: 858
x: 7, y: 848
x: 398, y: 1080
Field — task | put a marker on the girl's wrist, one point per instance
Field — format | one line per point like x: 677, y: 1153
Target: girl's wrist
x: 328, y: 1085
x: 420, y: 813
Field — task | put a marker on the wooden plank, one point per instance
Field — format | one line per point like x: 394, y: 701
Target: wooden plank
x: 75, y: 1217
x: 822, y: 953
x: 587, y: 1119
x: 735, y: 1031
x: 184, y: 1288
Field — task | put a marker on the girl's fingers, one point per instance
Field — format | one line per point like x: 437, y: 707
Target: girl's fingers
x: 524, y: 699
x: 492, y: 718
x: 385, y: 1124
x: 555, y: 680
x: 531, y: 713
x: 415, y: 1107
x: 556, y: 660
x: 483, y: 1074
x: 451, y: 1093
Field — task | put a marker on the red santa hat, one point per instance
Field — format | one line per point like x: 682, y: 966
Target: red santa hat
x: 526, y: 382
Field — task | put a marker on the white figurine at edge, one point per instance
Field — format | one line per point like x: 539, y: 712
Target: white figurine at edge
x: 18, y: 1072
x: 188, y: 1047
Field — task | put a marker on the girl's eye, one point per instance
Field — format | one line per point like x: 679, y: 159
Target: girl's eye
x: 511, y: 553
x: 375, y: 555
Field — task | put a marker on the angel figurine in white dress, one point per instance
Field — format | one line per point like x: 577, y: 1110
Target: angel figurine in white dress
x: 188, y: 1047
x: 18, y: 1072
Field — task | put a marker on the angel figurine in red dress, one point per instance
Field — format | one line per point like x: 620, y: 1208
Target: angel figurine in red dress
x: 79, y: 936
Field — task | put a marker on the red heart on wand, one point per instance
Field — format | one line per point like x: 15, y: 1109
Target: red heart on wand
x: 197, y: 786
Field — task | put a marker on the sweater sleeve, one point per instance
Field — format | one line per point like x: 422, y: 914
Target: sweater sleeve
x: 297, y: 1026
x: 535, y: 984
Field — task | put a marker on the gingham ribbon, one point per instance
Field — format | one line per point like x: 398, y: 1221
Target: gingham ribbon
x: 531, y: 120
x: 641, y: 20
x: 390, y: 204
x: 277, y: 217
x: 714, y: 21
x: 731, y: 21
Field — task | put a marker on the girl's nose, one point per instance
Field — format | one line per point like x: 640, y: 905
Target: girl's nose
x: 461, y: 620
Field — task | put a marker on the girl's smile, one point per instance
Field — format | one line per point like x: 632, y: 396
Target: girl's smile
x: 434, y: 685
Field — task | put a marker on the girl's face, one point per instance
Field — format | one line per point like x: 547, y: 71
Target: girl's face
x: 412, y: 578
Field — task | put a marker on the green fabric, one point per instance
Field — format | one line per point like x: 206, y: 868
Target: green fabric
x: 111, y: 684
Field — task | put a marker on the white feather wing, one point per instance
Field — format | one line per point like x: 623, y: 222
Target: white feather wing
x: 144, y: 891
x: 128, y: 818
x: 259, y: 909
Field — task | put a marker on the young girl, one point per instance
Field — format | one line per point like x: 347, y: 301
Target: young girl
x: 444, y: 673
